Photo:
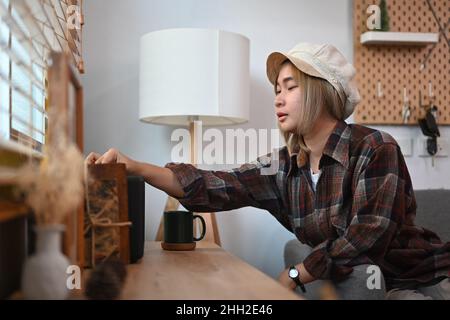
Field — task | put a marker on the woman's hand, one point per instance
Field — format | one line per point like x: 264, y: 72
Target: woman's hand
x: 161, y: 178
x: 305, y: 277
x: 285, y: 281
x: 112, y: 156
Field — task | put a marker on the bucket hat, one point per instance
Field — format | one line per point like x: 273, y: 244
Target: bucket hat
x: 322, y: 61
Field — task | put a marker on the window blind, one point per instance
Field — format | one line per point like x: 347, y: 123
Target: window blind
x: 29, y: 31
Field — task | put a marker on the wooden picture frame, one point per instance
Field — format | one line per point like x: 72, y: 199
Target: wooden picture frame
x: 65, y: 92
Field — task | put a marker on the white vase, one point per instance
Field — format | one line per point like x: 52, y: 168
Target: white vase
x: 44, y: 275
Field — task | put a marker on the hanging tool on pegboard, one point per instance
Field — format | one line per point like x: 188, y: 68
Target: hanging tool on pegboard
x: 428, y: 124
x: 406, y: 111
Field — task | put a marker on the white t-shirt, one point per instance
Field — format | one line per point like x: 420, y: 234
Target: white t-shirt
x: 315, y: 178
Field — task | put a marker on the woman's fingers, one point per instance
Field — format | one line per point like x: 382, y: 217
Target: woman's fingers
x: 91, y: 158
x: 109, y: 156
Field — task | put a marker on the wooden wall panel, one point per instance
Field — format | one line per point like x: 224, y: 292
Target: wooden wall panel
x: 398, y: 67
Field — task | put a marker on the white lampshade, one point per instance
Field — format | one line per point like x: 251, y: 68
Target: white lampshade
x: 187, y: 73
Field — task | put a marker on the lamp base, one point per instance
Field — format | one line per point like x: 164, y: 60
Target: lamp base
x: 212, y: 231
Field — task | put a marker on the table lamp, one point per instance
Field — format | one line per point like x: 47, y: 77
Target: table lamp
x: 188, y: 75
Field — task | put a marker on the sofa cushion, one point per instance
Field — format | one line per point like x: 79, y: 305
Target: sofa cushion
x: 433, y: 211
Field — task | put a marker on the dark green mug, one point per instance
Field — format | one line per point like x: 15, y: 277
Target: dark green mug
x: 179, y: 227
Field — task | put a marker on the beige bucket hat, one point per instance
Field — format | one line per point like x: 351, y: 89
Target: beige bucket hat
x: 322, y: 61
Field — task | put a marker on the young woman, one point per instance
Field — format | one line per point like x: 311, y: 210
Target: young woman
x: 343, y: 190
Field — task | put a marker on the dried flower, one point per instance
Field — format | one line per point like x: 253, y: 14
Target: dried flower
x: 106, y: 280
x: 55, y: 187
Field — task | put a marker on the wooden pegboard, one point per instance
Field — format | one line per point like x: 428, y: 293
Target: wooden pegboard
x: 398, y: 67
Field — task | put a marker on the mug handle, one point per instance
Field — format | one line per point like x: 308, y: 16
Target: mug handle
x: 203, y: 227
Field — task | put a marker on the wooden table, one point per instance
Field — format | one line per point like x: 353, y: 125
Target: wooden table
x: 208, y: 272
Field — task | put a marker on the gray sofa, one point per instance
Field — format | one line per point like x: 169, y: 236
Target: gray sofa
x: 433, y: 213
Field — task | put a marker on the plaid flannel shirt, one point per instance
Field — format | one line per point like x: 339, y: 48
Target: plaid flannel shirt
x: 362, y: 212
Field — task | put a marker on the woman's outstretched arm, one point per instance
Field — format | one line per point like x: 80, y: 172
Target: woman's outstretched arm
x: 159, y: 177
x: 210, y: 191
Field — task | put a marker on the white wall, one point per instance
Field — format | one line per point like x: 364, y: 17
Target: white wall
x: 111, y: 48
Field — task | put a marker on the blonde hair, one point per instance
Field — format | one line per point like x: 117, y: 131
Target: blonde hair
x: 318, y: 96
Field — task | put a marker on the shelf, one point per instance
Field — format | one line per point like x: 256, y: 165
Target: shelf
x: 398, y: 38
x: 12, y: 210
